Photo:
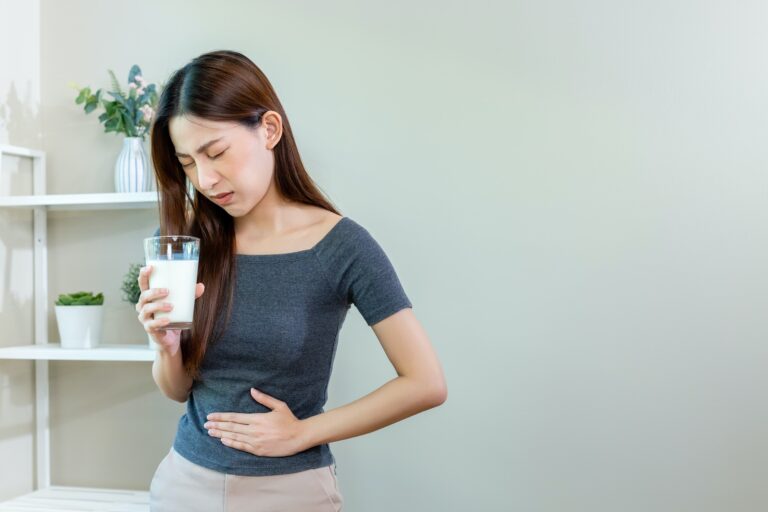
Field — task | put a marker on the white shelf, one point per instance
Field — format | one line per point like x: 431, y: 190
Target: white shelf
x: 106, y: 352
x: 47, y: 497
x: 20, y: 151
x: 105, y: 201
x: 58, y: 498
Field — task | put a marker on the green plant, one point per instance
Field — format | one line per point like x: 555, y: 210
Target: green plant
x: 130, y: 287
x: 128, y: 113
x: 80, y: 299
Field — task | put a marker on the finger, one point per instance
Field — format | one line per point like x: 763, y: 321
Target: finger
x: 199, y: 289
x: 148, y: 309
x: 151, y: 295
x: 230, y: 436
x: 157, y: 324
x: 144, y: 277
x: 235, y: 417
x: 239, y: 445
x: 228, y: 426
x: 263, y: 398
x: 152, y: 308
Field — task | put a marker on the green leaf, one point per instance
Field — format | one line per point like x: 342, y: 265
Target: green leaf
x: 135, y: 70
x: 130, y: 126
x: 80, y: 299
x: 134, y: 112
x: 118, y: 97
x: 91, y: 106
x: 81, y: 97
x: 115, y: 83
x: 110, y: 107
x: 111, y: 123
x: 121, y: 122
x: 130, y: 288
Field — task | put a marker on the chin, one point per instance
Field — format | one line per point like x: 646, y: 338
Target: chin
x: 235, y: 211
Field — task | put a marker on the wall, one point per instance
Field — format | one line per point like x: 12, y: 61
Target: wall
x: 20, y: 125
x: 573, y: 196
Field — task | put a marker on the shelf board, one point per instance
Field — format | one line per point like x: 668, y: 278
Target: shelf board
x: 106, y: 201
x: 106, y: 352
x: 58, y: 498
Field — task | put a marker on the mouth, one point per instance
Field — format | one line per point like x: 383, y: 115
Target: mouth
x: 223, y: 198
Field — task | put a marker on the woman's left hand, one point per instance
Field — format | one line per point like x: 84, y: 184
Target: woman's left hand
x: 272, y: 434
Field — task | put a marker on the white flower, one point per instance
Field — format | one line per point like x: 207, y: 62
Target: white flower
x: 132, y: 86
x: 148, y: 112
x: 140, y: 91
x: 139, y: 79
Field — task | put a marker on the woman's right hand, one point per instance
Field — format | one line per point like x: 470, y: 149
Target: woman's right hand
x: 150, y: 301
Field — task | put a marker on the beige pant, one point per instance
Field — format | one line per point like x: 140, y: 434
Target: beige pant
x: 179, y: 485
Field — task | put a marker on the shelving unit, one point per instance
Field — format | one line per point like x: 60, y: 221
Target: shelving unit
x: 47, y: 497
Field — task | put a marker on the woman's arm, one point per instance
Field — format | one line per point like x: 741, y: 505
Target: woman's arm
x: 170, y: 375
x: 420, y: 385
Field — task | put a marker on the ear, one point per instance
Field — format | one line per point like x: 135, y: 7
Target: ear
x: 273, y: 126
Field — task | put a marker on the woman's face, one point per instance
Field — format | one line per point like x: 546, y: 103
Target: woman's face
x: 223, y: 157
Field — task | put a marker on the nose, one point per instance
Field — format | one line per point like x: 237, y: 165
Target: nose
x: 206, y: 177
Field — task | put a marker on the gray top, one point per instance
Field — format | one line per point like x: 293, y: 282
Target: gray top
x: 287, y: 312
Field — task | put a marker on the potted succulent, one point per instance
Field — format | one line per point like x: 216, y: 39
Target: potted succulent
x: 79, y: 316
x: 132, y: 292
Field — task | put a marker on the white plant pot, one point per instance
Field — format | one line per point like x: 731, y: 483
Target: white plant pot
x: 79, y: 326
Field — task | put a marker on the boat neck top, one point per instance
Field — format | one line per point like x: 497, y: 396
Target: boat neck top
x: 287, y: 311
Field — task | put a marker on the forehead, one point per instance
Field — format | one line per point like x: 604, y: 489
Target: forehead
x: 188, y: 132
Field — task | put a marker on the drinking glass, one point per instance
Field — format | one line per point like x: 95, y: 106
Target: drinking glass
x: 174, y: 260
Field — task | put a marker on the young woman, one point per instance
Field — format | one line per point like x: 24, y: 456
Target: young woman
x: 279, y: 268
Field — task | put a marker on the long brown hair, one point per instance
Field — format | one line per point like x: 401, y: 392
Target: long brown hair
x: 218, y: 86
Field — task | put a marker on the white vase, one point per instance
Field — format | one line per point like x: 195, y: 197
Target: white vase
x: 133, y: 172
x: 79, y: 326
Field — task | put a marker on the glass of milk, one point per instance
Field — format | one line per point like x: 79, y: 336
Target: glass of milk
x: 174, y: 266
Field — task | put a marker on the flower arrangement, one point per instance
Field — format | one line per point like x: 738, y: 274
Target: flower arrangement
x: 130, y: 287
x: 80, y: 299
x: 129, y: 113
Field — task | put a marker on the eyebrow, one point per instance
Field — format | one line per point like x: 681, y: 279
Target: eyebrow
x: 203, y: 147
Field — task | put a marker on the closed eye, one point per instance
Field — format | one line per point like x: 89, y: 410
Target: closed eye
x: 214, y: 157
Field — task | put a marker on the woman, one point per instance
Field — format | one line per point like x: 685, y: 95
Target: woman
x: 279, y: 268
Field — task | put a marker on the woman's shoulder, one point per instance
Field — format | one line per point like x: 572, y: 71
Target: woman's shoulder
x: 346, y: 240
x: 343, y: 230
x: 325, y: 223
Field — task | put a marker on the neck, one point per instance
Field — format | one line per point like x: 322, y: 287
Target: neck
x: 271, y: 217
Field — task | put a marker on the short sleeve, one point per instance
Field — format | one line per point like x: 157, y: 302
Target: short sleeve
x: 363, y: 274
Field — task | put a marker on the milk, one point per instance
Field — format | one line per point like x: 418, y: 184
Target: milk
x: 180, y: 277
